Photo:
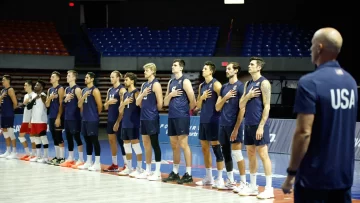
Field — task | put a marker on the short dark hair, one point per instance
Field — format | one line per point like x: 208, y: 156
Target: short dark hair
x: 29, y: 82
x: 236, y: 66
x: 91, y: 74
x: 211, y: 66
x: 57, y: 74
x: 7, y: 77
x: 132, y: 77
x: 42, y: 83
x: 259, y: 61
x: 180, y: 61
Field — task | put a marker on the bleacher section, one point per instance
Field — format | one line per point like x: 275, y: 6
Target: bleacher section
x: 276, y: 40
x: 141, y: 41
x: 22, y: 37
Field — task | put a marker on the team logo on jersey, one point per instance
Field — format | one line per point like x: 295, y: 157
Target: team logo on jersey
x: 210, y: 86
x: 339, y: 72
x: 234, y: 88
x: 258, y: 83
x: 173, y: 88
x: 180, y: 81
x: 117, y: 90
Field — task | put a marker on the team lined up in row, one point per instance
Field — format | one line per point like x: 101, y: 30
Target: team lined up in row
x: 223, y: 108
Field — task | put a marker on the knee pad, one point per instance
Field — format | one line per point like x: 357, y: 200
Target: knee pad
x: 237, y: 154
x: 59, y: 136
x: 78, y: 139
x: 11, y: 133
x: 137, y: 148
x: 127, y: 147
x: 32, y: 139
x: 6, y: 135
x: 44, y: 140
x: 22, y: 139
x: 218, y: 153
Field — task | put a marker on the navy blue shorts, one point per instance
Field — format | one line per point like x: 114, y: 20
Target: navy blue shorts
x: 110, y: 126
x: 225, y: 134
x: 130, y: 133
x: 209, y: 131
x: 52, y: 124
x: 7, y: 122
x: 72, y: 126
x: 90, y: 128
x: 304, y: 195
x: 178, y: 126
x: 150, y: 127
x: 250, y: 135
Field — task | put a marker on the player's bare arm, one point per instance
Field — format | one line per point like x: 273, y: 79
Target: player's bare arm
x: 97, y: 97
x: 12, y: 96
x: 156, y: 88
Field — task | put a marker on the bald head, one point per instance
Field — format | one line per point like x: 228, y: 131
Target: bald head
x: 330, y: 39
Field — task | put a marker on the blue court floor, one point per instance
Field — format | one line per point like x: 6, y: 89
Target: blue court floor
x: 279, y: 164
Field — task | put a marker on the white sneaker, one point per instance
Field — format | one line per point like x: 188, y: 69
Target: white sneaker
x: 240, y: 187
x: 42, y: 160
x: 125, y: 172
x: 34, y: 159
x: 12, y: 155
x: 206, y: 181
x: 86, y: 166
x: 228, y: 185
x: 155, y: 176
x: 6, y: 154
x: 95, y: 167
x: 219, y: 183
x: 136, y: 172
x: 249, y: 190
x: 268, y: 193
x: 143, y: 175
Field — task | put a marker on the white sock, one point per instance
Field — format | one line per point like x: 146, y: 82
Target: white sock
x: 253, y: 179
x: 125, y: 160
x: 129, y: 164
x: 188, y: 170
x: 230, y: 175
x: 176, y: 168
x: 208, y: 172
x: 139, y: 164
x: 97, y: 160
x: 27, y: 151
x: 157, y: 167
x: 81, y: 156
x: 62, y: 152
x: 14, y: 149
x: 268, y: 181
x: 33, y: 152
x: 38, y: 152
x: 148, y: 168
x: 71, y: 156
x: 46, y: 153
x: 89, y: 159
x: 243, y: 178
x: 114, y: 160
x: 57, y: 151
x: 8, y: 149
x: 220, y: 174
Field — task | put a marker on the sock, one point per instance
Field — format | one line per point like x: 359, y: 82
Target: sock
x: 268, y: 181
x: 8, y: 149
x: 158, y: 166
x: 253, y: 179
x: 89, y: 159
x: 97, y: 159
x: 243, y: 178
x: 129, y: 164
x: 38, y: 152
x: 33, y: 152
x: 230, y: 175
x: 27, y: 151
x: 114, y: 160
x: 57, y: 151
x: 176, y: 168
x: 46, y: 153
x: 208, y: 172
x: 13, y: 150
x: 81, y: 156
x: 148, y: 168
x: 125, y: 160
x: 61, y: 152
x: 188, y: 170
x: 220, y: 174
x: 71, y: 156
x: 139, y: 164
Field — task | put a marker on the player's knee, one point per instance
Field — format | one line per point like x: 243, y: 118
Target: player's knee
x: 11, y: 133
x: 59, y: 136
x: 32, y: 139
x: 226, y: 151
x: 22, y: 139
x: 237, y: 155
x: 218, y: 153
x: 137, y: 148
x: 127, y: 148
x: 78, y: 139
x: 44, y: 140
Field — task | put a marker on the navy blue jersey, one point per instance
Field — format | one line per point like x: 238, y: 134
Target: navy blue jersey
x: 254, y: 107
x: 71, y: 109
x: 330, y: 93
x: 54, y: 103
x: 208, y: 111
x: 131, y: 118
x: 230, y: 110
x: 149, y: 109
x: 178, y: 106
x: 7, y: 108
x: 90, y: 110
x: 113, y: 110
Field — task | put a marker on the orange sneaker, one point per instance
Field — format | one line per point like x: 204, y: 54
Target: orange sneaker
x: 24, y: 157
x: 68, y: 164
x: 77, y: 164
x: 28, y: 158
